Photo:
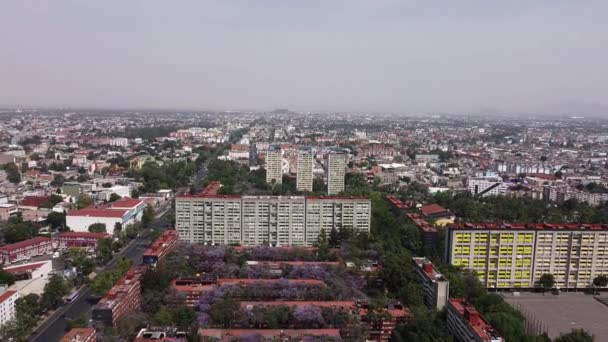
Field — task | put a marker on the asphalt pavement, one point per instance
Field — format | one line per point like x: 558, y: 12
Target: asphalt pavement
x: 54, y: 327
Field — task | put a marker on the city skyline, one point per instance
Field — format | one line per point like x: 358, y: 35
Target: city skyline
x: 342, y: 56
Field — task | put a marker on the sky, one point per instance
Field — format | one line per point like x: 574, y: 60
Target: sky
x: 426, y: 56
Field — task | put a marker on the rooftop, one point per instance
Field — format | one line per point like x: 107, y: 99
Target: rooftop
x: 322, y: 304
x: 429, y: 269
x: 99, y: 212
x: 25, y: 267
x: 122, y: 287
x: 126, y: 202
x: 232, y: 281
x: 432, y: 209
x: 421, y: 223
x: 227, y: 334
x: 25, y: 243
x: 165, y: 241
x: 77, y: 334
x: 83, y: 235
x: 479, y: 325
x: 528, y: 226
x: 6, y: 295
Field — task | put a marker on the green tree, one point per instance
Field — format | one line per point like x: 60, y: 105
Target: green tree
x: 55, y: 219
x: 84, y: 201
x: 576, y: 335
x: 600, y: 281
x: 16, y: 230
x: 53, y: 292
x: 224, y: 312
x: 12, y: 173
x: 114, y: 197
x: 104, y: 250
x: 546, y: 281
x: 334, y: 239
x: 58, y: 180
x: 147, y: 217
x: 98, y: 228
x: 7, y: 278
x: 51, y: 201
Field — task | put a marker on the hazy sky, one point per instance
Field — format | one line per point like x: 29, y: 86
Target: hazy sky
x: 384, y: 55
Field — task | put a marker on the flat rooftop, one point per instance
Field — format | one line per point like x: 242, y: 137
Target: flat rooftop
x: 559, y: 314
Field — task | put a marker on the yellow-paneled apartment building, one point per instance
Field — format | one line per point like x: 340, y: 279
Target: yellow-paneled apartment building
x: 508, y: 256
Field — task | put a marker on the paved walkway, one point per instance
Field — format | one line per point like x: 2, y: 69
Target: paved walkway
x: 559, y: 314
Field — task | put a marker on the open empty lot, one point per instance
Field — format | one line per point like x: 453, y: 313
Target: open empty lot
x: 562, y: 313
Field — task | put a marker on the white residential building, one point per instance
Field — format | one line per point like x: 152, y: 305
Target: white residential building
x: 336, y: 172
x: 436, y: 287
x: 274, y: 161
x: 7, y: 305
x: 484, y: 187
x: 304, y: 170
x: 267, y: 220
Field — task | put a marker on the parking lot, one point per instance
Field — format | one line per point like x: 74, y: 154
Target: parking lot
x: 559, y: 314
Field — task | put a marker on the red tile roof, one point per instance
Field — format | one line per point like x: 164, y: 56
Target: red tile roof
x: 26, y: 243
x: 321, y: 304
x: 270, y: 281
x: 6, y: 295
x: 24, y: 268
x: 78, y: 334
x: 126, y: 202
x: 431, y: 209
x: 94, y: 212
x: 75, y: 235
x: 268, y: 333
x: 34, y: 201
x: 479, y: 325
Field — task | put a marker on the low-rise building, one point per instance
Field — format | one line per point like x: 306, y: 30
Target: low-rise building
x: 435, y: 286
x: 193, y: 288
x: 80, y: 335
x: 7, y: 210
x: 164, y: 245
x: 78, y: 240
x: 124, y: 211
x: 465, y: 323
x: 124, y: 297
x: 26, y: 249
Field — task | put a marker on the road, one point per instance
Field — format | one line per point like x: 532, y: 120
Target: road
x: 54, y: 327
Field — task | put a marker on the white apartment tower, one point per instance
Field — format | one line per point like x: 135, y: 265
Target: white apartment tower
x: 274, y: 159
x: 304, y: 176
x: 336, y: 171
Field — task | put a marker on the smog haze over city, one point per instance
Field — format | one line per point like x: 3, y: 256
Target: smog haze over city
x: 303, y: 171
x: 470, y: 56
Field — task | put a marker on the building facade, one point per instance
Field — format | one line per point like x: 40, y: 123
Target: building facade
x: 124, y: 211
x: 274, y: 161
x: 78, y: 240
x: 516, y: 255
x: 435, y: 286
x: 483, y: 187
x: 80, y: 335
x: 124, y: 297
x: 267, y: 220
x: 336, y: 171
x: 304, y: 170
x: 26, y: 249
x: 162, y: 246
x: 465, y: 323
x: 7, y: 305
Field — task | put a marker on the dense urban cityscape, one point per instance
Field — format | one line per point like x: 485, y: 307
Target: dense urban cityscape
x: 281, y: 225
